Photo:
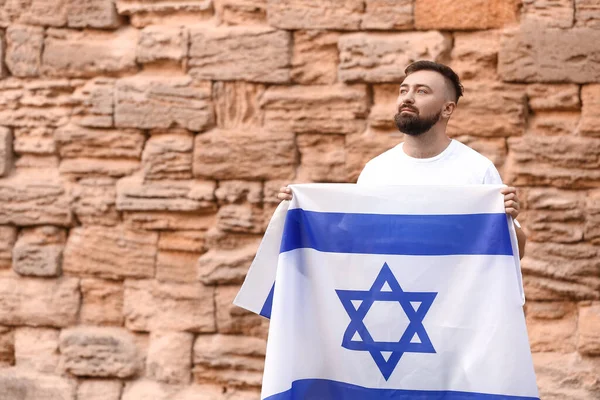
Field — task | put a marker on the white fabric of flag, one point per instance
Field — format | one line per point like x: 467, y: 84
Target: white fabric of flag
x: 397, y: 292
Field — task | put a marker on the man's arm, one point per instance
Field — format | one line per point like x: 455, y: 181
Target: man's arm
x: 521, y: 240
x: 512, y: 207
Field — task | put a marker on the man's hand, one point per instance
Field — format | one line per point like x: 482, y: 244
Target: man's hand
x: 285, y: 193
x: 511, y: 201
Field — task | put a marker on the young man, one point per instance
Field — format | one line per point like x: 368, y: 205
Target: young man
x: 427, y: 98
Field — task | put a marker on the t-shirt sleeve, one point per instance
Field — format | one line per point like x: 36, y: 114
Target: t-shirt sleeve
x: 492, y: 176
x: 363, y: 177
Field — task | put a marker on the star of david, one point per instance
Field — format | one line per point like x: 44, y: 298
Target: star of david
x: 414, y: 304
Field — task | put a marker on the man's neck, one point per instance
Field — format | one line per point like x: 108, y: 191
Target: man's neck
x: 427, y: 145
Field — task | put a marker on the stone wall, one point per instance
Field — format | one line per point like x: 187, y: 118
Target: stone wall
x: 142, y: 143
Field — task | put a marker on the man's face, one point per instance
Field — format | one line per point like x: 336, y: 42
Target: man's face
x: 422, y: 97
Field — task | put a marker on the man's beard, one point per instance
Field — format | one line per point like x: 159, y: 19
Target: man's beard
x: 413, y: 125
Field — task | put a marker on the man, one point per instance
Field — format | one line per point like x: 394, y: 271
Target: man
x: 427, y: 98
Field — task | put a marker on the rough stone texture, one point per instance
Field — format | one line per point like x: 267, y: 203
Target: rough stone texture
x: 34, y: 197
x: 39, y: 12
x: 240, y: 154
x: 239, y: 191
x: 587, y: 13
x: 592, y: 226
x: 475, y: 55
x: 163, y: 102
x: 327, y: 14
x: 163, y: 220
x: 550, y: 13
x: 113, y: 253
x: 220, y: 266
x: 590, y: 119
x: 150, y: 305
x: 34, y: 141
x: 7, y: 347
x: 170, y: 357
x: 378, y: 57
x: 8, y: 237
x: 315, y: 57
x: 556, y: 56
x: 255, y: 54
x: 93, y: 201
x: 566, y: 376
x: 311, y: 109
x: 589, y: 329
x: 99, y: 352
x: 73, y: 53
x: 232, y: 360
x: 237, y: 104
x: 544, y: 97
x: 92, y: 14
x: 388, y: 14
x: 6, y: 151
x: 101, y: 302
x: 323, y: 158
x: 33, y: 302
x: 466, y: 14
x: 241, y: 12
x: 162, y: 43
x: 150, y: 390
x: 23, y: 384
x: 235, y: 320
x: 24, y: 50
x: 92, y: 389
x: 79, y: 142
x: 552, y: 326
x: 192, y: 241
x: 36, y: 349
x: 241, y: 218
x: 168, y: 156
x: 96, y: 102
x: 176, y: 266
x: 38, y: 251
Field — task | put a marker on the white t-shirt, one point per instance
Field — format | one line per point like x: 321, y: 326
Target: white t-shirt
x: 458, y: 164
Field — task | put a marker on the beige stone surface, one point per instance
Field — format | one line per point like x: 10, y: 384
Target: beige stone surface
x: 241, y: 12
x: 78, y: 142
x: 219, y: 266
x: 168, y: 155
x: 99, y: 389
x: 560, y: 97
x: 157, y: 102
x: 34, y: 141
x: 92, y: 14
x: 327, y: 14
x: 315, y: 57
x: 237, y: 104
x: 99, y: 352
x: 590, y: 121
x: 589, y: 329
x: 255, y: 54
x: 93, y: 201
x: 466, y: 14
x: 388, y: 14
x: 170, y: 357
x: 101, y: 302
x: 113, y: 253
x: 240, y: 154
x: 36, y: 349
x: 552, y: 326
x: 72, y: 53
x: 549, y: 13
x: 8, y: 237
x: 24, y: 46
x: 23, y: 384
x: 169, y: 220
x: 41, y: 12
x: 96, y: 103
x: 381, y: 57
x: 587, y: 13
x: 150, y: 305
x: 239, y: 191
x: 35, y: 302
x: 190, y: 241
x: 176, y: 266
x: 556, y: 56
x: 7, y: 347
x: 38, y: 251
x: 323, y: 158
x: 475, y: 55
x: 158, y: 43
x: 241, y: 218
x: 6, y: 151
x: 566, y: 376
x: 227, y: 359
x: 235, y: 320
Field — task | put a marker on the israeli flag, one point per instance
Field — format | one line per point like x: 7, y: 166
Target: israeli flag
x: 401, y: 292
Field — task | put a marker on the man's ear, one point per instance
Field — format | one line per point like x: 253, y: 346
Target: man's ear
x: 448, y: 109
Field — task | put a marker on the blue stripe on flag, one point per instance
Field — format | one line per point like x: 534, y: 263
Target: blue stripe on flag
x: 321, y: 389
x: 266, y: 308
x: 419, y: 235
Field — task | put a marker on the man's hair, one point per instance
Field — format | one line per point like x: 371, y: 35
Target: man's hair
x: 442, y: 69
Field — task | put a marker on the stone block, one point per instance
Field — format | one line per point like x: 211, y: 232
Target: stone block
x: 175, y: 12
x: 169, y: 357
x: 255, y: 54
x: 315, y: 58
x: 169, y: 220
x: 465, y: 14
x: 6, y: 151
x: 23, y: 384
x: 96, y: 103
x: 93, y: 200
x: 592, y: 223
x: 99, y: 352
x: 160, y: 43
x: 388, y: 15
x: 8, y: 237
x: 237, y: 104
x: 24, y: 46
x: 323, y: 158
x: 220, y: 266
x: 176, y: 266
x: 241, y: 218
x: 240, y: 154
x: 228, y: 359
x: 100, y: 14
x: 589, y: 329
x: 305, y: 14
x: 99, y: 389
x: 152, y: 102
x: 549, y: 13
x: 234, y: 320
x: 553, y: 123
x: 36, y: 302
x: 242, y: 12
x: 133, y: 194
x: 7, y: 347
x: 38, y: 251
x: 153, y: 306
x: 36, y: 349
x: 533, y: 53
x: 382, y: 57
x: 475, y: 55
x: 566, y: 376
x: 43, y: 12
x: 239, y: 191
x: 79, y: 142
x: 552, y: 326
x: 168, y: 156
x: 102, y: 302
x: 34, y: 140
x: 114, y: 253
x: 72, y: 53
x: 190, y: 241
x: 557, y: 97
x: 83, y: 167
x: 587, y: 13
x: 34, y: 197
x: 590, y: 119
x: 532, y: 161
x: 316, y: 109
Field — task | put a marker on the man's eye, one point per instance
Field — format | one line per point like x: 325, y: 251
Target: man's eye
x: 422, y: 91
